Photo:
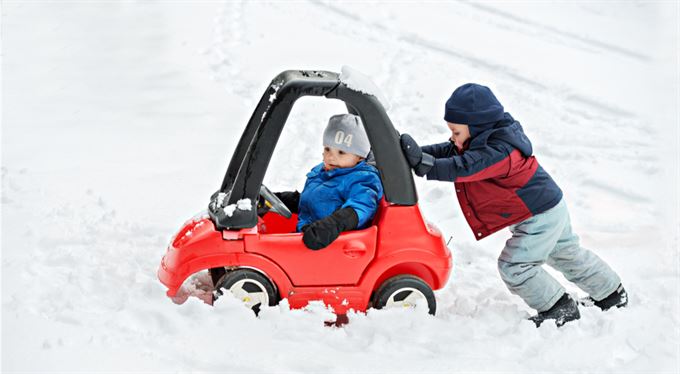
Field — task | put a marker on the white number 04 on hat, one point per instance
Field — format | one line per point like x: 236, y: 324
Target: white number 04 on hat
x: 341, y: 138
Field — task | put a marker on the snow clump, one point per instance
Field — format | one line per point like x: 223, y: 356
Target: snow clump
x: 243, y: 204
x: 359, y: 81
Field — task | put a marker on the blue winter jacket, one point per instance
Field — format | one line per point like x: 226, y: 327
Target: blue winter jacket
x: 325, y: 192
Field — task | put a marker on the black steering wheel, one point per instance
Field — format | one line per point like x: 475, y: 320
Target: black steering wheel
x: 274, y: 203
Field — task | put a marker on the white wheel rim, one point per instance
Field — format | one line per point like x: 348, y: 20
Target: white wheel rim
x: 410, y: 301
x: 250, y: 299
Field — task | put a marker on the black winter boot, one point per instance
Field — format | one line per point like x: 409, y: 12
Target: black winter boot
x: 564, y: 310
x: 618, y: 298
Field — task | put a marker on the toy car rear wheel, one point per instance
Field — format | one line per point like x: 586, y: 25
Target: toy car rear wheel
x: 249, y: 286
x: 404, y: 291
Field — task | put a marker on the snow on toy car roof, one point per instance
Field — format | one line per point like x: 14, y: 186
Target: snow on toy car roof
x: 359, y: 81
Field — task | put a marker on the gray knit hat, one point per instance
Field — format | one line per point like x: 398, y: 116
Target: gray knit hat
x: 346, y: 132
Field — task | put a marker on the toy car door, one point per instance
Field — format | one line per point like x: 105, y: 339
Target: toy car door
x: 341, y: 263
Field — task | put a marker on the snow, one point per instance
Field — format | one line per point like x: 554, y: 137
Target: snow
x: 119, y: 119
x: 242, y: 204
x: 360, y: 82
x: 275, y: 86
x: 220, y: 198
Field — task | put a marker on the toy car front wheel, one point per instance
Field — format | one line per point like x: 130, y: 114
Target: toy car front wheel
x: 404, y: 291
x: 249, y: 286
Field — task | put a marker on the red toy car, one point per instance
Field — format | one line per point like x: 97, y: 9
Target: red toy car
x: 396, y: 262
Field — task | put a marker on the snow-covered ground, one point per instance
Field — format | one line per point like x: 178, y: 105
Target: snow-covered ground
x: 119, y: 118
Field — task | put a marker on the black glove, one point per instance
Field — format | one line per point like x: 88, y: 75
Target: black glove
x: 291, y: 199
x: 420, y: 162
x: 319, y: 234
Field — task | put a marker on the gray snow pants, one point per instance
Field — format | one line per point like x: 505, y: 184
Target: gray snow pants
x: 547, y: 238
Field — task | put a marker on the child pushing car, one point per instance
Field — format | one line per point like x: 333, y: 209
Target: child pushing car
x: 499, y: 183
x: 342, y: 192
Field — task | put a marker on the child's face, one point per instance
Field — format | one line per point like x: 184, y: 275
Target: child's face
x: 334, y: 158
x: 459, y: 134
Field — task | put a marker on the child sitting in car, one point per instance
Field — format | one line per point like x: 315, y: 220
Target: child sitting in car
x: 341, y: 193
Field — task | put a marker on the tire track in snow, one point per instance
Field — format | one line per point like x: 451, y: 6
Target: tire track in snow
x: 416, y: 41
x: 229, y: 34
x: 605, y: 108
x: 623, y: 194
x: 545, y: 30
x: 419, y: 42
x: 565, y: 104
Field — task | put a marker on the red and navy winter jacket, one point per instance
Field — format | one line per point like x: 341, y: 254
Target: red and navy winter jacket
x: 497, y: 179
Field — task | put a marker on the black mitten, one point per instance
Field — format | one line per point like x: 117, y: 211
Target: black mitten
x: 411, y: 150
x: 420, y: 162
x: 319, y: 234
x: 291, y: 199
x: 425, y: 165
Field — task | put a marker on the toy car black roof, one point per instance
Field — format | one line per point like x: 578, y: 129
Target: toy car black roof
x: 256, y: 146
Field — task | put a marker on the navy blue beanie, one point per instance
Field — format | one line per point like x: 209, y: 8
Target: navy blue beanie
x: 473, y: 104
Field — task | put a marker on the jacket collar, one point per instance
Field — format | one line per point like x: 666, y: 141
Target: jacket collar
x: 507, y: 130
x: 318, y: 170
